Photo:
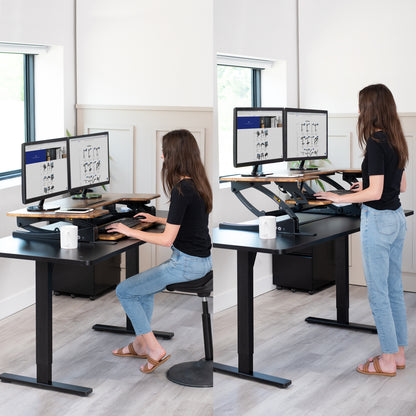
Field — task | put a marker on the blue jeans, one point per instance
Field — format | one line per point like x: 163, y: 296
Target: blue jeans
x: 382, y: 239
x: 136, y: 293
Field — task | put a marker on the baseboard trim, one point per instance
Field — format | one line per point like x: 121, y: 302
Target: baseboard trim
x: 228, y: 299
x: 17, y: 302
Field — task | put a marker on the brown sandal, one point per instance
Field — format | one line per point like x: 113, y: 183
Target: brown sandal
x: 378, y: 371
x: 131, y: 353
x: 399, y: 367
x: 155, y: 364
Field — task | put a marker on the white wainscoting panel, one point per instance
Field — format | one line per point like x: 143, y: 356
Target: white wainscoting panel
x: 408, y: 200
x: 339, y: 149
x: 121, y: 157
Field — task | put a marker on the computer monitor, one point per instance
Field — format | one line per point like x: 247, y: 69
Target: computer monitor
x: 44, y: 172
x: 258, y: 137
x: 89, y: 163
x: 306, y: 135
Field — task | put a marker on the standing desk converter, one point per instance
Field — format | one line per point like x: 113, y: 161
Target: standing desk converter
x: 48, y: 253
x: 305, y: 229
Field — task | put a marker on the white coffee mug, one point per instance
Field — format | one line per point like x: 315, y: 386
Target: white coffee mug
x: 69, y: 236
x: 267, y: 226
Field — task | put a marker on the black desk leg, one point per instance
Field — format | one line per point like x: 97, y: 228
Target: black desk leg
x: 44, y: 339
x: 342, y: 292
x: 245, y: 263
x: 132, y: 268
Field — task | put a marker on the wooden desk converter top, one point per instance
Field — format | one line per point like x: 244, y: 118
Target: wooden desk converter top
x: 96, y: 204
x: 311, y: 202
x: 291, y: 178
x: 288, y: 176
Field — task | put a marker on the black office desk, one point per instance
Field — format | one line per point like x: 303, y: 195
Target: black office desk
x: 248, y: 244
x: 46, y: 255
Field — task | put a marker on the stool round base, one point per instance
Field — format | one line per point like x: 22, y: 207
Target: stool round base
x: 192, y: 373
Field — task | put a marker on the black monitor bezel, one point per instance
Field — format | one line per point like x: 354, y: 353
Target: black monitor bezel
x: 254, y: 162
x: 26, y: 200
x: 82, y: 136
x: 302, y: 110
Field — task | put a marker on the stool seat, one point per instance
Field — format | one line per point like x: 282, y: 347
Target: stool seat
x: 196, y: 373
x: 202, y: 287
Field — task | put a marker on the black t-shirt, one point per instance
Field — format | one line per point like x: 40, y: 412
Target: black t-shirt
x: 187, y: 209
x: 381, y: 159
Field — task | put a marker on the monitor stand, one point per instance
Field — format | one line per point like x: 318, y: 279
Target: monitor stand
x: 256, y: 172
x: 40, y: 207
x: 86, y: 195
x: 301, y: 167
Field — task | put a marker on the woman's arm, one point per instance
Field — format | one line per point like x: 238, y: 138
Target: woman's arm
x: 403, y: 183
x: 166, y: 238
x: 372, y: 193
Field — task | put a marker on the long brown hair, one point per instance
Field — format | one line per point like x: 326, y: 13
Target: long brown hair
x: 183, y: 159
x: 378, y: 112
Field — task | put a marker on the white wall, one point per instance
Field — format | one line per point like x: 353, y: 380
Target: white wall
x: 346, y: 45
x: 145, y: 68
x: 343, y: 46
x: 264, y: 29
x: 152, y: 53
x: 44, y: 22
x: 162, y: 53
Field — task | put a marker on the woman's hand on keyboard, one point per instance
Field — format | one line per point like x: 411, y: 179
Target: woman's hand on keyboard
x: 117, y: 227
x: 328, y: 196
x: 357, y: 186
x: 145, y: 217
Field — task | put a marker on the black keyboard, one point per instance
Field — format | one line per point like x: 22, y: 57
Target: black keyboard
x: 309, y: 197
x: 128, y: 222
x: 341, y: 191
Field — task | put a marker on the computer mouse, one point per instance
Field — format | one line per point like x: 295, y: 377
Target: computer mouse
x: 140, y: 217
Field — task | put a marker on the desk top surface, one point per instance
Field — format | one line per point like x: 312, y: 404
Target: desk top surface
x: 86, y: 253
x: 96, y: 204
x: 326, y: 227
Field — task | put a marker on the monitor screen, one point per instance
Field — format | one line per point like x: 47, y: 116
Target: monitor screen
x: 44, y: 171
x: 89, y: 163
x: 306, y: 134
x: 258, y: 136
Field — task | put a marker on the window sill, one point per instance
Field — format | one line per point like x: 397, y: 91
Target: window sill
x: 10, y: 183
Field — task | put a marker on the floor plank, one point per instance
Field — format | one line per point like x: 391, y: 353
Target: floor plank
x: 319, y: 360
x: 82, y: 356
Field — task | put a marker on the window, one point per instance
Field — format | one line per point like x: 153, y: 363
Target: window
x: 16, y: 109
x: 237, y: 87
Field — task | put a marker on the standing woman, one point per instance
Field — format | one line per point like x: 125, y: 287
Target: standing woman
x: 186, y: 232
x: 383, y: 225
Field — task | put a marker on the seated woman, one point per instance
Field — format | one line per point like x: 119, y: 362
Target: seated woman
x: 186, y: 232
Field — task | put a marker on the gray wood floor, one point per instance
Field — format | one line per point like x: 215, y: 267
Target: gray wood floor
x: 319, y: 360
x: 82, y: 356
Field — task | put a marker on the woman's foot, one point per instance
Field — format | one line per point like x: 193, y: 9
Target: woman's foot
x: 379, y: 365
x: 154, y: 359
x: 134, y: 349
x: 399, y: 358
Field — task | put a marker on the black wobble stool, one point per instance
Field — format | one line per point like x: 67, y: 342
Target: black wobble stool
x: 196, y: 373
